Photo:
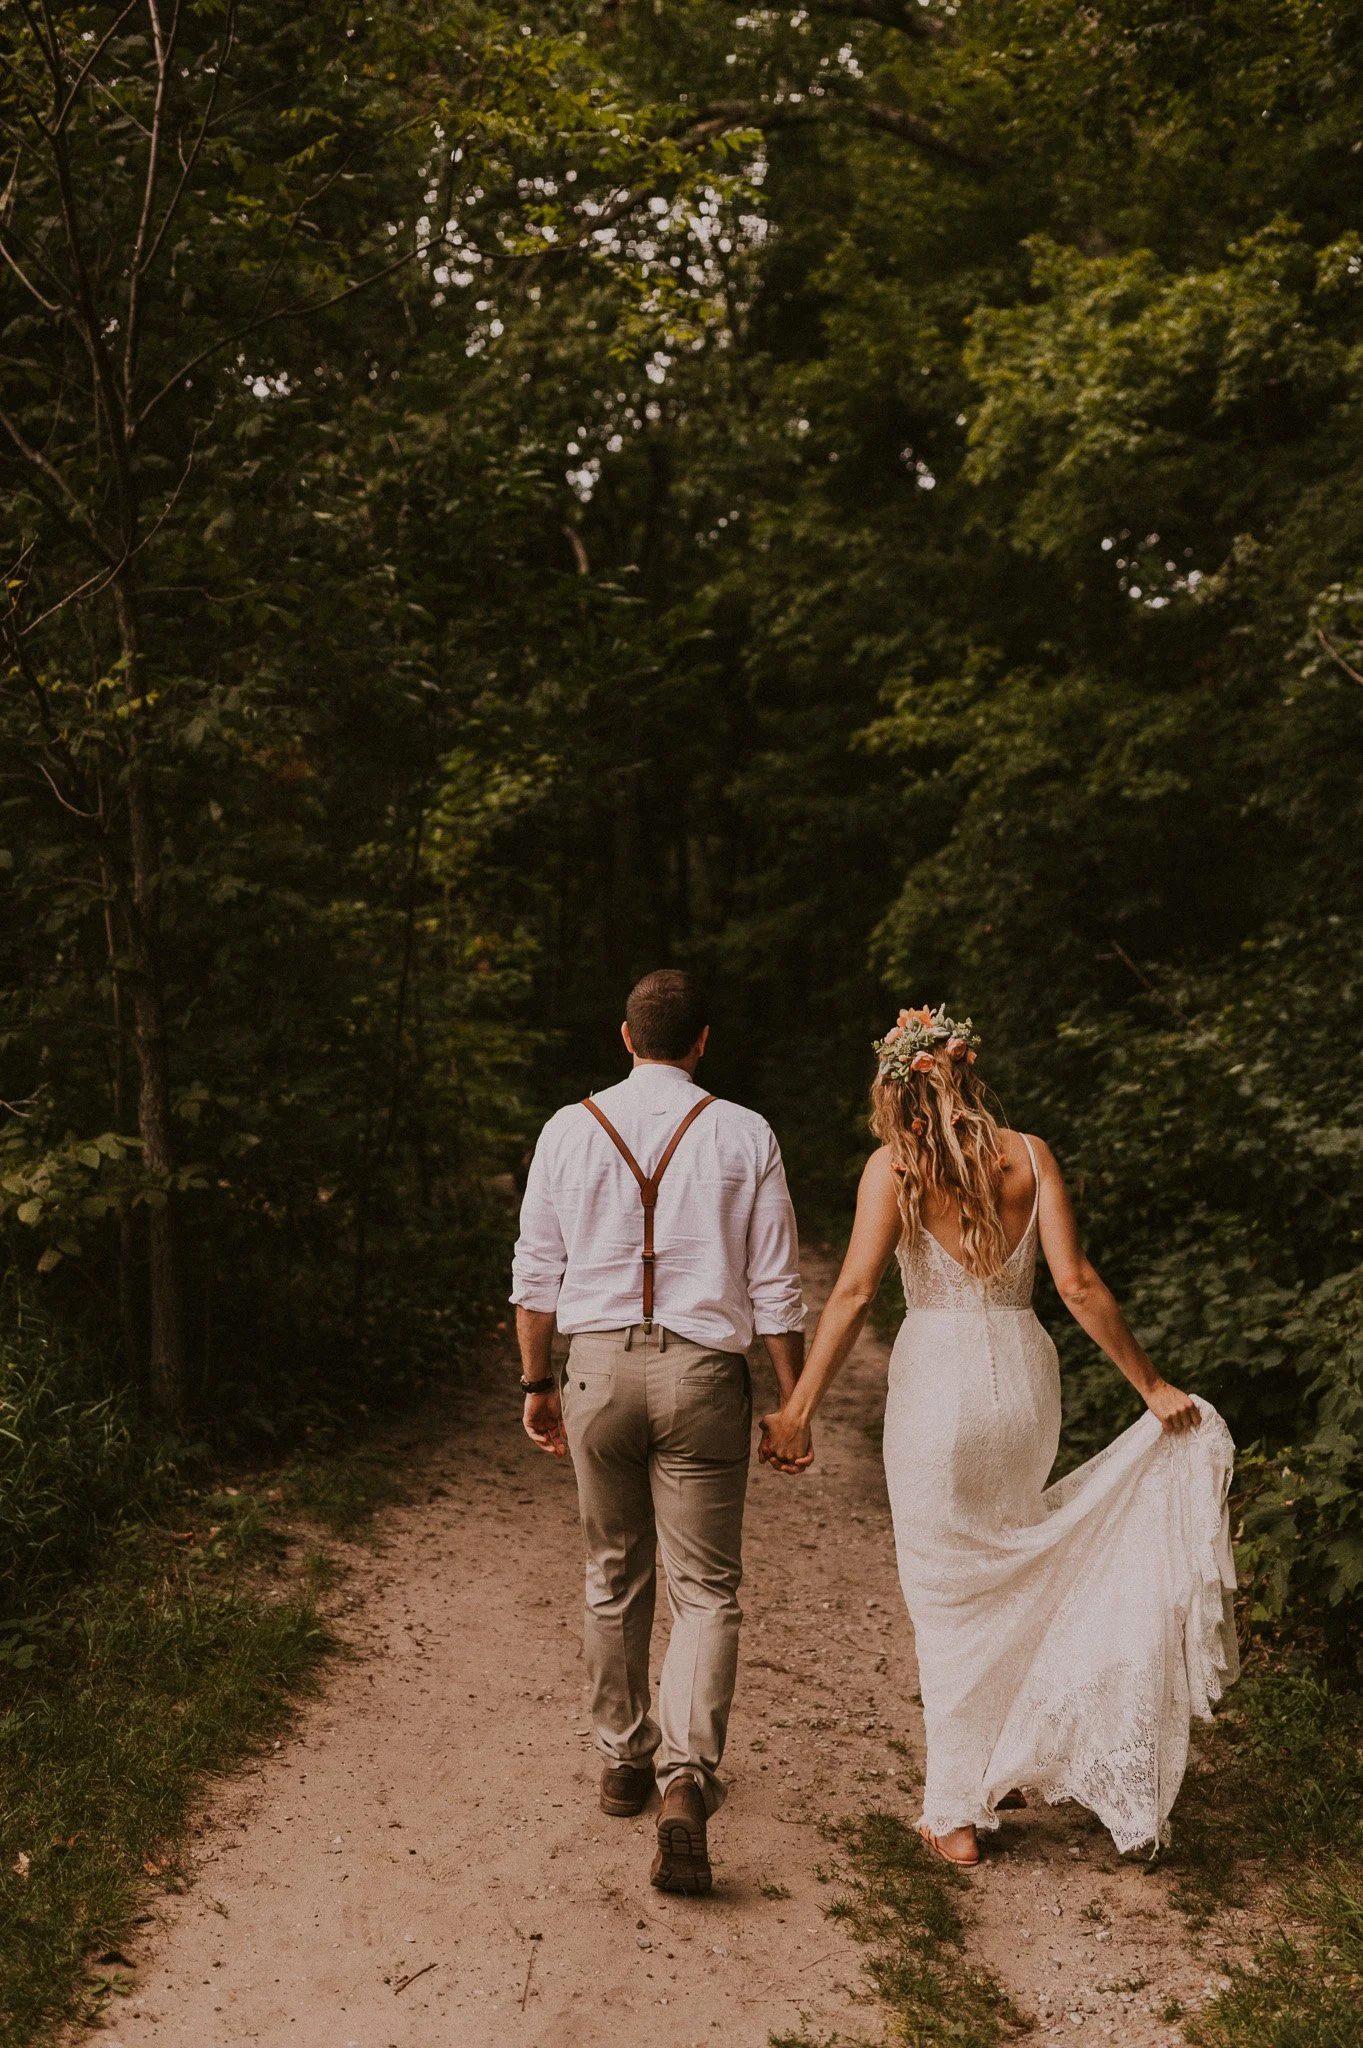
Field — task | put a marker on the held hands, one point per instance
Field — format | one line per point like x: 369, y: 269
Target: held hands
x: 1174, y: 1410
x: 787, y: 1445
x: 543, y: 1422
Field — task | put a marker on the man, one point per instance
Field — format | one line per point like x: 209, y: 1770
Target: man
x: 658, y: 1230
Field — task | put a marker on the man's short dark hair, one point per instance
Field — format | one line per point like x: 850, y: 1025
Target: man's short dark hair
x: 665, y: 1014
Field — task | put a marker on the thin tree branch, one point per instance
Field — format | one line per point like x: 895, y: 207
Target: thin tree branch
x: 722, y: 115
x: 302, y: 311
x: 51, y: 49
x: 1337, y: 657
x: 48, y: 305
x: 99, y: 360
x: 196, y: 148
x: 164, y: 46
x: 901, y: 15
x: 1156, y: 994
x: 100, y: 581
x: 102, y: 578
x: 76, y: 812
x: 76, y: 515
x: 100, y: 47
x: 913, y: 128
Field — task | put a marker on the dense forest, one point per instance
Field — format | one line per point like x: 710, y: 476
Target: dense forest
x: 860, y: 499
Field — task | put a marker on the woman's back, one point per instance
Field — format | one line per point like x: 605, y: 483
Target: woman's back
x: 941, y: 1213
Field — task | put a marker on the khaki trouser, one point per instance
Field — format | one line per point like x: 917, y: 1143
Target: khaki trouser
x: 660, y: 1431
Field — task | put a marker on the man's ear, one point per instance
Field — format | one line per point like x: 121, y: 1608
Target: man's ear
x: 701, y: 1042
x: 629, y: 1042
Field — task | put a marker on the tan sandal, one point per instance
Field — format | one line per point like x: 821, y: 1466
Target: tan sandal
x: 957, y: 1862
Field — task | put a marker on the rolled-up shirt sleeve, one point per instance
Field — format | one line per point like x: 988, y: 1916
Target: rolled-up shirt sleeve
x: 774, y: 1254
x: 541, y: 1257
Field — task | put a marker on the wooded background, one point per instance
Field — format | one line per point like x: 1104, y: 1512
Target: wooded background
x: 862, y: 500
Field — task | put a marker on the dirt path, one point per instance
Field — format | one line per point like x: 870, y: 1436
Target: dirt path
x: 424, y: 1864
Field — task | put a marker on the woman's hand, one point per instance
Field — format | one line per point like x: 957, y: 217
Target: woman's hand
x: 1175, y: 1411
x: 786, y: 1442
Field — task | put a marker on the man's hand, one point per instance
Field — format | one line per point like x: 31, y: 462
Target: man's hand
x: 543, y: 1420
x: 542, y: 1415
x: 787, y: 1445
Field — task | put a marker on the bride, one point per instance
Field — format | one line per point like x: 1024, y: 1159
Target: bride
x: 1066, y: 1634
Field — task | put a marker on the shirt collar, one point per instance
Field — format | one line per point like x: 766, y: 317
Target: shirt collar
x: 658, y: 1079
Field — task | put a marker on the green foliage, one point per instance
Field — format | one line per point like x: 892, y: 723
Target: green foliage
x: 1300, y: 1995
x: 1296, y: 1743
x: 103, y: 1744
x: 1288, y: 1793
x: 341, y: 1492
x: 73, y: 1466
x: 863, y: 501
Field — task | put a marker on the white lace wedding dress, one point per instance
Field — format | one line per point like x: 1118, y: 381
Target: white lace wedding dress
x: 1066, y: 1634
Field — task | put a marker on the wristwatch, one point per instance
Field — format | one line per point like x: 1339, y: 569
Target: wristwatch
x: 538, y: 1386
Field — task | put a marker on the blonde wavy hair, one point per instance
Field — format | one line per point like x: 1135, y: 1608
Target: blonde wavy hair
x: 943, y: 1140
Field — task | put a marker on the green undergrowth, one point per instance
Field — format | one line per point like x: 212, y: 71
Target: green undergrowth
x: 901, y: 1905
x: 344, y: 1491
x: 181, y: 1653
x: 1281, y: 1807
x: 1306, y: 1990
x: 158, y: 1620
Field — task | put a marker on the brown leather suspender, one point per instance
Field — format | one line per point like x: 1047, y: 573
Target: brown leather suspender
x: 648, y: 1182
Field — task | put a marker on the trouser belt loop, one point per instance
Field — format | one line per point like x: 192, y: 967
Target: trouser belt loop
x: 662, y: 1338
x: 629, y: 1339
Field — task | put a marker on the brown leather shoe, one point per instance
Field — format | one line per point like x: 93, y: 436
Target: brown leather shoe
x: 625, y: 1788
x: 682, y: 1863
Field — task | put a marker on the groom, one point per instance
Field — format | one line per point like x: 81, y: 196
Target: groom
x: 658, y: 1230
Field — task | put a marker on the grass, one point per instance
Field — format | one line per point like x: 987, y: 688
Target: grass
x: 152, y: 1631
x: 342, y: 1492
x: 147, y: 1686
x: 73, y: 1464
x: 1304, y: 1992
x: 1283, y: 1802
x: 182, y: 1652
x: 158, y: 1616
x: 902, y: 1906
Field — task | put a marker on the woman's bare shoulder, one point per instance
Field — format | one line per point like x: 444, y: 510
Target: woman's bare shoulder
x: 879, y: 1170
x: 1014, y: 1145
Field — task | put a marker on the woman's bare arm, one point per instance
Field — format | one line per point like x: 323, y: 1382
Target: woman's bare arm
x: 1092, y: 1304
x: 875, y: 1233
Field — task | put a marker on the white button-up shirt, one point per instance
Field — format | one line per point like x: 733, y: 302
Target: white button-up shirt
x: 726, y: 1251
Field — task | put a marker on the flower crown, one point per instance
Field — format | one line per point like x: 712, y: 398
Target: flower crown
x: 909, y: 1045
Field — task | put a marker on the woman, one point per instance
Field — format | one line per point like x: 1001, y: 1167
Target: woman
x: 1065, y: 1634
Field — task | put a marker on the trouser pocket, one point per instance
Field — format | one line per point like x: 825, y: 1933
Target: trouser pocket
x: 712, y: 1409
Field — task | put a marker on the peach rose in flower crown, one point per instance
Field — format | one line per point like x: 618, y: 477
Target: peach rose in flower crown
x: 914, y: 1040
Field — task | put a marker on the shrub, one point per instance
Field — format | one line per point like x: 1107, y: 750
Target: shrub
x: 73, y: 1463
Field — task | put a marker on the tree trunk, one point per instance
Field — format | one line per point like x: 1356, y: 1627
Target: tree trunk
x: 128, y: 1320
x: 166, y: 1362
